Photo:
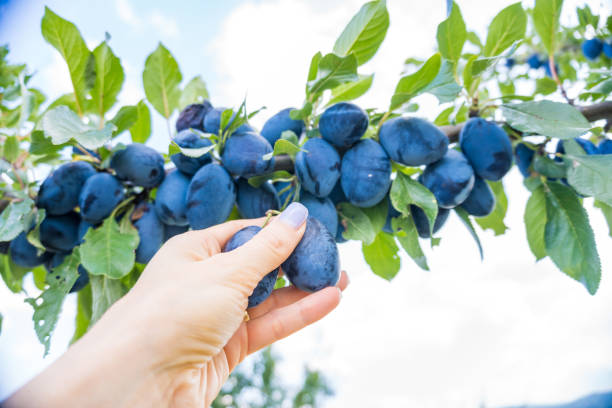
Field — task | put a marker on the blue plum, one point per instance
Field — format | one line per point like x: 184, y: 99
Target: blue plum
x: 210, y: 197
x: 337, y: 194
x: 254, y: 202
x: 314, y: 264
x: 391, y: 213
x: 343, y: 124
x: 481, y: 200
x: 171, y: 199
x: 212, y: 122
x: 193, y: 116
x: 322, y: 209
x: 243, y: 155
x: 607, y: 49
x: 57, y: 259
x: 173, y: 230
x: 59, y: 193
x: 190, y: 140
x: 25, y: 254
x: 510, y: 62
x: 547, y: 70
x: 339, y: 237
x: 588, y: 147
x: 280, y: 122
x: 534, y: 61
x: 524, y: 157
x: 318, y: 168
x: 266, y: 285
x: 139, y: 164
x: 60, y: 233
x: 422, y: 223
x: 605, y: 147
x: 592, y: 48
x: 365, y: 173
x: 412, y: 141
x: 450, y: 179
x: 99, y: 197
x: 487, y: 147
x: 4, y: 247
x: 150, y: 230
x: 84, y: 226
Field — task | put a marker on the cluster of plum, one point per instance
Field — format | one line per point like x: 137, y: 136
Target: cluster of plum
x: 594, y: 47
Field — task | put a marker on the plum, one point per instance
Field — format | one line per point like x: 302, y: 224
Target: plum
x: 412, y: 141
x: 524, y: 157
x: 280, y: 122
x: 318, y: 168
x: 337, y: 194
x: 212, y: 122
x: 84, y: 226
x: 59, y: 193
x: 365, y: 173
x: 151, y: 232
x: 534, y: 61
x: 607, y: 49
x: 57, y: 259
x: 243, y: 155
x: 481, y: 200
x: 510, y: 62
x: 339, y: 237
x: 171, y: 199
x: 322, y: 209
x: 266, y: 284
x: 60, y: 233
x: 487, y: 147
x: 450, y: 179
x: 605, y: 147
x: 173, y: 230
x: 99, y: 197
x: 193, y: 116
x: 314, y: 264
x: 592, y: 48
x: 422, y: 223
x: 190, y: 140
x: 139, y: 164
x: 254, y: 202
x: 588, y: 147
x: 391, y: 213
x: 25, y: 254
x: 4, y: 247
x: 343, y: 124
x: 210, y: 197
x: 547, y: 70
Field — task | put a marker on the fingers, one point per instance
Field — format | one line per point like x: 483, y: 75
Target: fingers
x: 282, y: 322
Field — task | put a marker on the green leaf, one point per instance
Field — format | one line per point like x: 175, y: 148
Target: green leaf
x: 141, y: 129
x: 570, y: 242
x: 545, y: 86
x: 444, y: 87
x: 382, y: 256
x: 65, y: 37
x: 465, y: 219
x: 83, y: 316
x: 546, y: 21
x: 195, y: 92
x: 10, y: 149
x: 109, y: 250
x: 495, y: 220
x: 196, y: 152
x: 365, y: 32
x: 161, y: 78
x: 452, y: 34
x: 358, y: 224
x: 12, y: 275
x: 549, y: 168
x: 412, y: 85
x: 297, y: 114
x: 15, y: 219
x: 377, y: 214
x: 39, y: 275
x: 333, y: 71
x: 282, y: 146
x: 257, y: 181
x: 592, y: 176
x: 41, y: 145
x: 506, y: 28
x: 408, y: 237
x: 62, y: 125
x: 108, y: 80
x: 351, y: 90
x: 406, y: 191
x: 607, y: 212
x: 314, y: 67
x: 546, y: 118
x: 104, y: 292
x: 535, y: 222
x: 124, y: 119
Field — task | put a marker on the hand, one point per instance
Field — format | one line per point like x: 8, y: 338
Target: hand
x: 177, y: 335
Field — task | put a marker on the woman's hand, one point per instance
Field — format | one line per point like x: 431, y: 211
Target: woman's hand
x: 175, y: 338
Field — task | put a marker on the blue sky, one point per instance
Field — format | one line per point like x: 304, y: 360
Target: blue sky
x: 503, y: 331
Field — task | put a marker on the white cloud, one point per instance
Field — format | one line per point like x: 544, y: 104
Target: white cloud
x: 126, y: 13
x: 166, y: 25
x: 155, y: 20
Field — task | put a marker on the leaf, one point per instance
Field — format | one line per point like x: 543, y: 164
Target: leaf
x: 452, y: 34
x: 592, y: 176
x: 549, y: 168
x: 13, y: 219
x: 108, y: 79
x: 62, y: 125
x: 195, y: 92
x: 297, y: 114
x: 333, y: 71
x: 545, y: 86
x: 108, y: 250
x: 408, y: 237
x: 161, y: 78
x: 65, y: 37
x: 257, y: 181
x: 104, y: 292
x: 507, y: 27
x: 406, y: 191
x: 83, y: 315
x: 358, y: 224
x: 546, y: 118
x: 10, y: 149
x: 48, y: 305
x: 377, y: 214
x: 607, y: 212
x: 12, y: 275
x: 495, y: 220
x: 141, y: 129
x: 546, y: 21
x: 365, y: 32
x: 382, y: 256
x: 412, y: 85
x: 570, y: 242
x: 124, y: 119
x: 282, y: 146
x: 465, y: 219
x: 444, y: 87
x: 314, y: 67
x: 195, y: 152
x: 351, y: 90
x: 41, y: 145
x: 535, y: 222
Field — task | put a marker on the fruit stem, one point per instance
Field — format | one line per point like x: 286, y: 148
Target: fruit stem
x: 269, y: 215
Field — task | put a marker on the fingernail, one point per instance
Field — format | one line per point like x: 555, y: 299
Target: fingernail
x: 294, y: 215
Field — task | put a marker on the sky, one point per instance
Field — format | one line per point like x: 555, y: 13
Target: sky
x: 503, y: 331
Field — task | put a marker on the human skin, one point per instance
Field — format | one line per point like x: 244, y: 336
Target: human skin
x: 173, y: 340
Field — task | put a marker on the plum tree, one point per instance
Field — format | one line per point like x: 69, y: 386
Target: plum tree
x: 279, y: 123
x: 171, y: 199
x: 265, y: 286
x: 412, y: 141
x: 322, y: 209
x: 255, y: 202
x: 487, y: 147
x: 59, y: 193
x: 243, y: 155
x: 190, y: 140
x: 481, y: 200
x: 99, y: 196
x: 139, y: 164
x: 343, y: 124
x: 192, y: 117
x: 150, y: 230
x: 592, y: 48
x: 26, y: 255
x: 450, y: 179
x: 317, y: 167
x: 60, y: 233
x: 210, y: 196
